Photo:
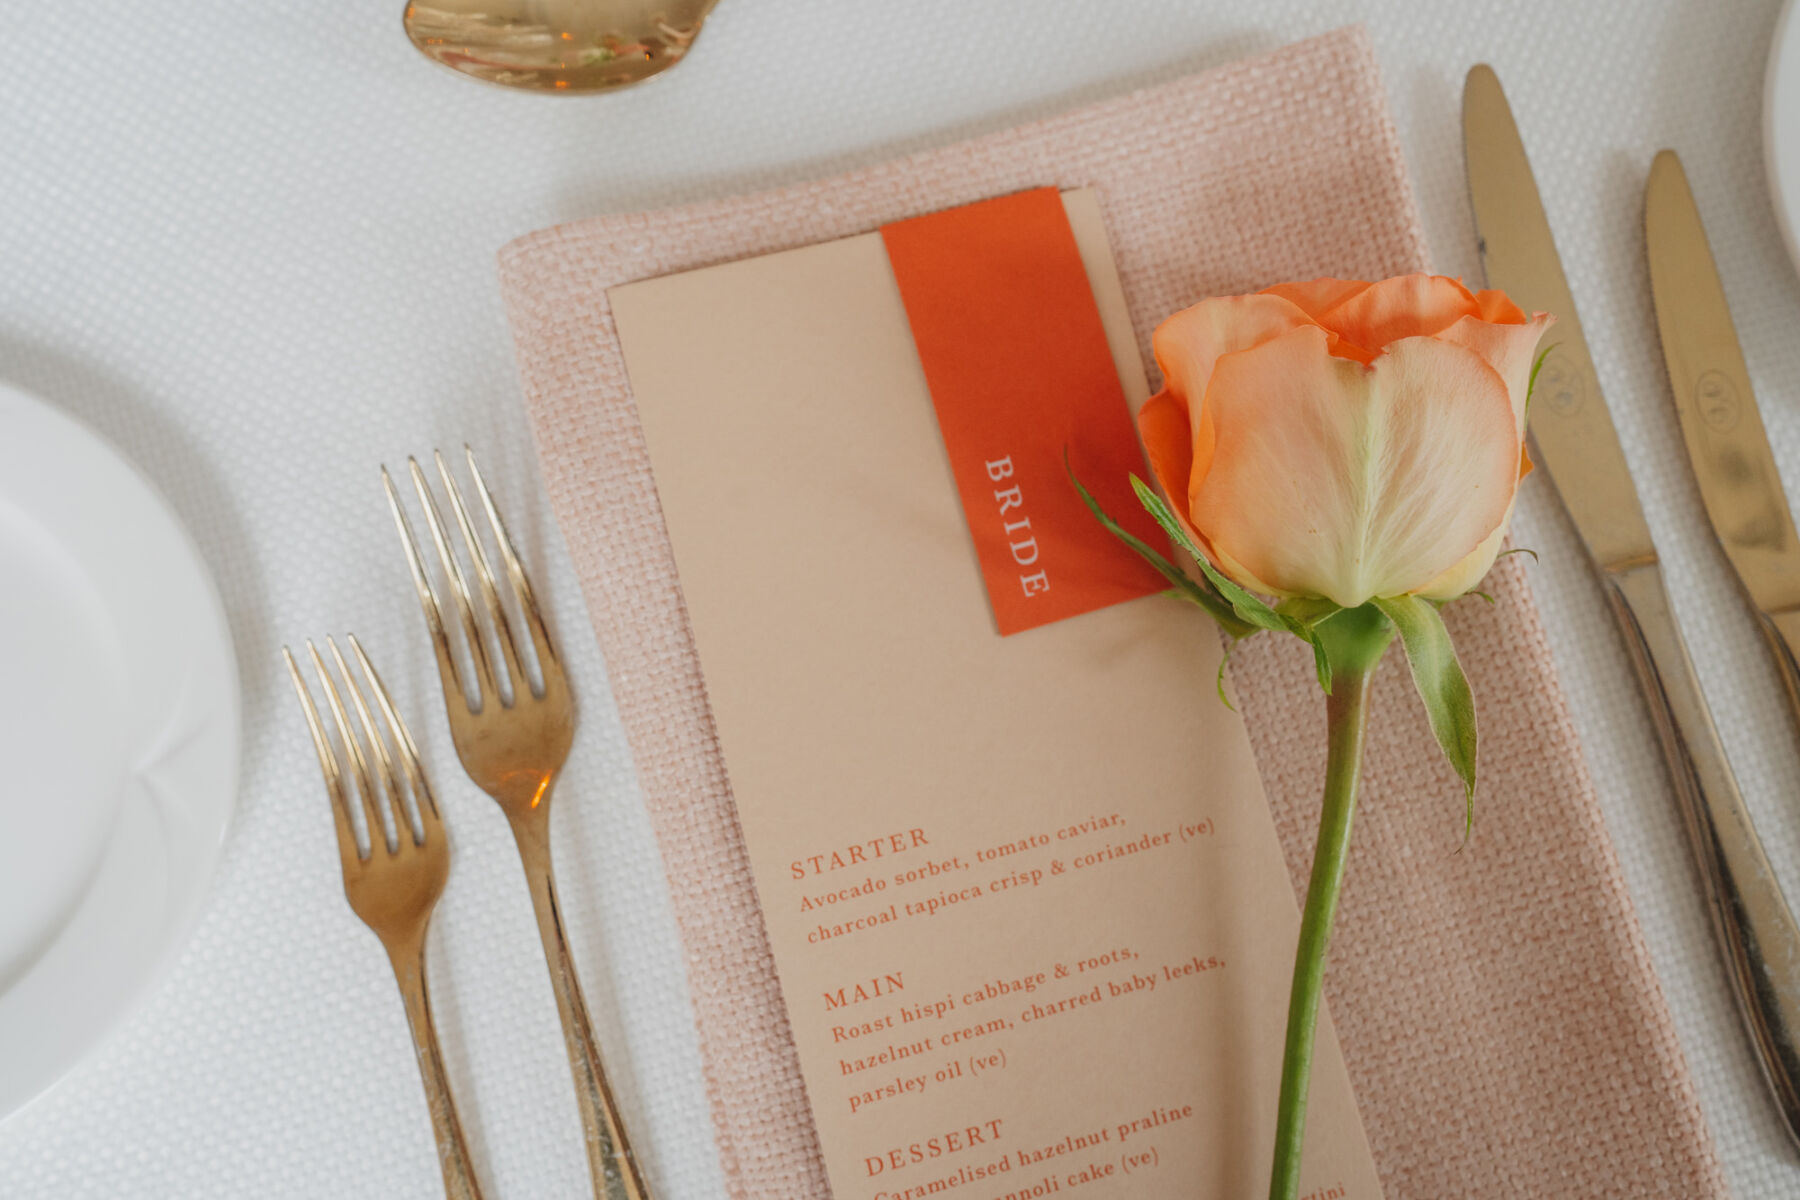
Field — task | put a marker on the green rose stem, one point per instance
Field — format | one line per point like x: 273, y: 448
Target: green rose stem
x: 1347, y: 647
x: 1354, y: 641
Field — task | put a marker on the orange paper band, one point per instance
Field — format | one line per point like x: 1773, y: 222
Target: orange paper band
x: 1019, y: 370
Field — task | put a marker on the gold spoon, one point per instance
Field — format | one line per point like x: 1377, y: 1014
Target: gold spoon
x: 556, y: 45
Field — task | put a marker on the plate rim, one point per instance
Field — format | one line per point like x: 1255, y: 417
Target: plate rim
x: 186, y: 896
x: 1784, y: 50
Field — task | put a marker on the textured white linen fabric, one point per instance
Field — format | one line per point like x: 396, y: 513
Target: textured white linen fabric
x: 253, y: 245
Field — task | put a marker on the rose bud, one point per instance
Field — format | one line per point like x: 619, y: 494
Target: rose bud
x: 1346, y: 440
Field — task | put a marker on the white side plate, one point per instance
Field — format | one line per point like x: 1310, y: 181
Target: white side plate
x: 1781, y: 127
x: 119, y: 738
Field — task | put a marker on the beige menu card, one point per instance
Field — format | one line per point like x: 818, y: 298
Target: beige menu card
x: 1024, y: 895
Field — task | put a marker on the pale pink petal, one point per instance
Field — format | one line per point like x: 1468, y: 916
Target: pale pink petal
x: 1474, y: 565
x: 1509, y: 349
x: 1243, y: 576
x: 1349, y: 482
x: 1190, y: 342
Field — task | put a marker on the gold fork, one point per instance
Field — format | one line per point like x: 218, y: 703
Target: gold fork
x: 394, y: 887
x: 513, y: 745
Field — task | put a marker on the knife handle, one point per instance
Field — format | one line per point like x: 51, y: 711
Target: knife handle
x: 1756, y: 931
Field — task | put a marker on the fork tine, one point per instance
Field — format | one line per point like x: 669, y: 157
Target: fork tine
x: 459, y: 586
x: 515, y: 572
x: 406, y: 750
x: 434, y: 614
x: 328, y: 764
x: 490, y: 594
x: 365, y: 787
x: 387, y: 780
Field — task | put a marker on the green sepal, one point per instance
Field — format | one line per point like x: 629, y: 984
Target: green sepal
x: 1225, y: 661
x: 1215, y: 608
x: 1353, y: 639
x: 1300, y: 616
x: 1531, y: 379
x: 1310, y: 611
x: 1518, y: 550
x: 1449, y: 704
x: 1321, y: 664
x: 1207, y: 601
x: 1249, y: 608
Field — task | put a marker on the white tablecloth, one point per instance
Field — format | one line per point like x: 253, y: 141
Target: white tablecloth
x: 253, y: 244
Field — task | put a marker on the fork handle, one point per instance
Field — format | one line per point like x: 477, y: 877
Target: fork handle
x: 453, y: 1152
x: 611, y: 1164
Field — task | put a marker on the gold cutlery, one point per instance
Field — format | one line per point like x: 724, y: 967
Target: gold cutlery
x: 556, y: 45
x: 1720, y: 422
x: 393, y: 887
x: 1740, y: 488
x: 1574, y: 439
x: 513, y: 739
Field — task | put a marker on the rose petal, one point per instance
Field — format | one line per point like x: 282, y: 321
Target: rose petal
x: 1510, y: 349
x: 1190, y: 342
x: 1316, y: 297
x: 1319, y: 296
x: 1466, y: 574
x: 1349, y: 482
x: 1169, y: 443
x: 1243, y: 576
x: 1498, y: 308
x: 1402, y: 307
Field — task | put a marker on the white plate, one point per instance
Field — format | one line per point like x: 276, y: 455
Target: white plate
x: 1781, y: 127
x: 119, y: 715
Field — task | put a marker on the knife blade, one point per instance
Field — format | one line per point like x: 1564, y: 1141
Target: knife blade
x: 1571, y: 429
x: 1577, y: 444
x: 1720, y: 421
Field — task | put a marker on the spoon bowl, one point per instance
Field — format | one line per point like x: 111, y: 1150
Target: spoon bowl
x: 556, y: 45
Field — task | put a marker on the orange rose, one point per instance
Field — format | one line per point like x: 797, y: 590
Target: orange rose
x: 1343, y: 439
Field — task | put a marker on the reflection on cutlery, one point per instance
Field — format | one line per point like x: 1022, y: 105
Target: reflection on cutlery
x: 1741, y: 489
x: 393, y: 886
x: 1574, y: 438
x: 513, y: 739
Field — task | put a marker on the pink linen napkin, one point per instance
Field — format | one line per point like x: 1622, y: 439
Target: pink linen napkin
x: 1497, y: 1009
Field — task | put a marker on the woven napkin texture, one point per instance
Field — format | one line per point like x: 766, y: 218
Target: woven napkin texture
x: 1496, y: 1006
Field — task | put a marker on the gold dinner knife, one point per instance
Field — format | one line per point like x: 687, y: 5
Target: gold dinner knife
x: 1573, y: 438
x: 1740, y: 485
x: 1719, y: 419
